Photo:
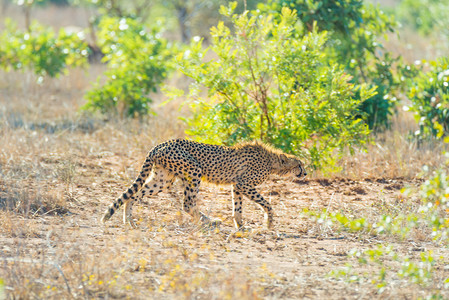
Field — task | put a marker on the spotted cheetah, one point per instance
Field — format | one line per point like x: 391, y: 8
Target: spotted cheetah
x: 244, y: 166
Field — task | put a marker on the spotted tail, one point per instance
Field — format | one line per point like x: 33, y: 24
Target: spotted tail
x: 134, y: 188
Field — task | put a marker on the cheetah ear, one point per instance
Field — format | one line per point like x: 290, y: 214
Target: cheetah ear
x: 284, y: 158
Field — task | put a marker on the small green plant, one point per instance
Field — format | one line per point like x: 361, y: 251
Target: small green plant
x: 399, y: 225
x: 138, y: 61
x: 270, y: 83
x: 435, y: 205
x: 2, y: 289
x: 40, y: 50
x: 417, y: 272
x: 430, y: 100
x: 430, y: 219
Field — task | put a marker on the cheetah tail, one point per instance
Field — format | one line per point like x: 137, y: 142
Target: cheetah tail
x: 134, y: 188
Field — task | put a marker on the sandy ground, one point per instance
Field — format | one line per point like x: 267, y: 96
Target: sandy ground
x: 66, y: 253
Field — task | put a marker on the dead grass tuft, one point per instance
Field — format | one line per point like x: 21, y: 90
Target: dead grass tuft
x: 30, y: 201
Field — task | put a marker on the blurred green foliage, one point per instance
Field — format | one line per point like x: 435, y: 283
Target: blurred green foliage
x: 434, y: 211
x: 40, y: 49
x: 186, y: 18
x: 429, y: 94
x: 425, y: 16
x: 138, y: 61
x: 39, y: 2
x: 266, y: 81
x: 355, y: 31
x: 136, y: 9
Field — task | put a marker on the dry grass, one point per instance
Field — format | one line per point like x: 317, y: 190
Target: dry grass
x: 395, y: 153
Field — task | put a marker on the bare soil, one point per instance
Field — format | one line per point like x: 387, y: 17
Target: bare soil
x: 65, y: 254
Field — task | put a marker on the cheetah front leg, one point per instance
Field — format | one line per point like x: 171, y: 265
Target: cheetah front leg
x: 252, y: 194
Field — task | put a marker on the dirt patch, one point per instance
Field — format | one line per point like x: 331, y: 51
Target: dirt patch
x: 169, y: 256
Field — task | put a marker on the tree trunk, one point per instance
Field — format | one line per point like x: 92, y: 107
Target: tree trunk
x: 183, y: 15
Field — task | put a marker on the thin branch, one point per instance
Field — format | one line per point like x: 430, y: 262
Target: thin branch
x: 241, y: 118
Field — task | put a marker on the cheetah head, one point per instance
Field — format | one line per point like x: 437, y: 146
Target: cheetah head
x: 291, y: 165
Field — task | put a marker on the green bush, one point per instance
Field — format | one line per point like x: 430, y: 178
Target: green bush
x: 354, y: 41
x: 40, y: 50
x: 267, y: 82
x: 430, y: 100
x: 138, y: 61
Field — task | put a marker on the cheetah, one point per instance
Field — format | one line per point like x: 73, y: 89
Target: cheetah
x: 244, y: 166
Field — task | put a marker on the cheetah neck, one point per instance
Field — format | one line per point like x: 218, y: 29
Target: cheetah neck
x: 276, y: 164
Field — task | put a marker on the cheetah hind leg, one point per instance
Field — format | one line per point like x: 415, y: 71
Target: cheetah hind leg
x: 191, y: 188
x: 211, y: 223
x: 237, y: 207
x: 207, y: 222
x: 127, y: 212
x: 160, y: 181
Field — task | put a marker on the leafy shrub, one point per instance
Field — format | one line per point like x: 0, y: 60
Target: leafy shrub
x: 430, y: 99
x: 430, y: 18
x: 40, y: 50
x: 269, y: 83
x: 138, y: 61
x: 355, y: 30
